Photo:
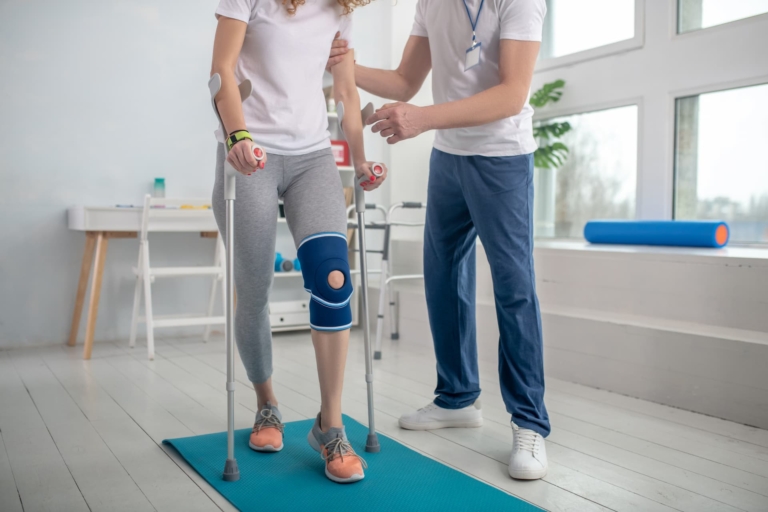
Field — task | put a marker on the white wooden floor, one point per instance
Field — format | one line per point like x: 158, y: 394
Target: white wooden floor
x: 77, y: 435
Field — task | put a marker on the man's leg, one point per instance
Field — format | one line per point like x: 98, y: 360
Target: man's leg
x: 499, y: 193
x: 449, y: 279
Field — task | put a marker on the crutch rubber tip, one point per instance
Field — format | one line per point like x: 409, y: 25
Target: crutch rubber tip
x: 395, y: 336
x: 372, y: 444
x: 377, y: 355
x: 231, y: 472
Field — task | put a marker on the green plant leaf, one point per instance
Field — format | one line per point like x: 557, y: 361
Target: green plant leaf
x: 553, y: 130
x: 548, y: 93
x: 550, y: 156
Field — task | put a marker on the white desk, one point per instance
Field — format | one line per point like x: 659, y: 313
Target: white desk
x: 102, y: 223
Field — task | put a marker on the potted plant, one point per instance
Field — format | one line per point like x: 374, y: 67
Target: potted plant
x: 551, y: 154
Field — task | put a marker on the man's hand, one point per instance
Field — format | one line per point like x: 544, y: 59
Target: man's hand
x: 399, y: 121
x: 338, y: 50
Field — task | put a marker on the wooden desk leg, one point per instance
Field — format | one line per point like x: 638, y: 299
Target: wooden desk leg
x: 93, y: 302
x: 82, y: 285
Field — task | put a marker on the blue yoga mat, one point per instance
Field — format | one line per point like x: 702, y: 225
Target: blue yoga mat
x: 684, y: 233
x: 397, y: 479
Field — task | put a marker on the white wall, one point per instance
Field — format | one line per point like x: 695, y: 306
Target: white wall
x: 410, y: 158
x: 99, y: 98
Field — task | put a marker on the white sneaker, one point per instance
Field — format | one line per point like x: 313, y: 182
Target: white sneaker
x: 433, y: 417
x: 529, y: 455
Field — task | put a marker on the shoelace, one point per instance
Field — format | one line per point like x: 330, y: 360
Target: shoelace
x: 340, y: 447
x: 429, y: 407
x: 527, y: 440
x: 267, y: 420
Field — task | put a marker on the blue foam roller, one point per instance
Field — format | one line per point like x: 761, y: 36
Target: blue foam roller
x: 297, y: 265
x: 682, y: 233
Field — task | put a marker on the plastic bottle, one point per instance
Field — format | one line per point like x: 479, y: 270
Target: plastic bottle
x: 159, y: 187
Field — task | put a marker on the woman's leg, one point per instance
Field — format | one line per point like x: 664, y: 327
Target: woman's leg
x: 331, y: 355
x: 255, y: 231
x: 265, y: 393
x: 315, y: 210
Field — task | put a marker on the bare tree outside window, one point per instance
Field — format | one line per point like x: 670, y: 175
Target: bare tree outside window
x: 599, y: 178
x: 716, y: 176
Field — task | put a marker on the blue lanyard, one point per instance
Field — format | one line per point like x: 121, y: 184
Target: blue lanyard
x: 474, y: 23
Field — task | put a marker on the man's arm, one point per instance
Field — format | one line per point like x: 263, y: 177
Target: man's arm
x: 399, y: 121
x: 400, y: 84
x: 403, y: 83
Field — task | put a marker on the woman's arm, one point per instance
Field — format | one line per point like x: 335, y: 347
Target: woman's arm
x: 345, y: 90
x: 230, y: 34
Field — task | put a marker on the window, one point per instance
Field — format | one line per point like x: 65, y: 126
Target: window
x: 698, y: 14
x: 597, y: 181
x: 571, y: 26
x: 721, y: 168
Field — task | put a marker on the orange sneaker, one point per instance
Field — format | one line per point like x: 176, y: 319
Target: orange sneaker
x: 342, y: 464
x: 267, y: 434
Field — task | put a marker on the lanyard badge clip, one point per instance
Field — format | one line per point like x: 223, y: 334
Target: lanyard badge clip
x: 474, y: 52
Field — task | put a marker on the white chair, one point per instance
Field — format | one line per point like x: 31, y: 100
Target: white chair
x: 162, y: 214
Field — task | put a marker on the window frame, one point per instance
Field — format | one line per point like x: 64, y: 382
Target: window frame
x: 637, y: 41
x: 698, y: 91
x: 637, y: 101
x: 728, y: 25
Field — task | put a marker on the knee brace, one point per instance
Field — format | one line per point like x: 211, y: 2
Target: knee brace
x: 319, y: 255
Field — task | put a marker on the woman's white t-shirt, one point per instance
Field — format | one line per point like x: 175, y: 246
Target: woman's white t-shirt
x: 284, y: 57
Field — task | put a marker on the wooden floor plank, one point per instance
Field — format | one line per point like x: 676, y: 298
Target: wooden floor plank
x: 690, y: 419
x: 478, y: 465
x: 719, y: 473
x: 744, y: 456
x: 244, y: 395
x: 153, y: 419
x: 10, y: 501
x: 103, y: 481
x: 719, y: 481
x: 603, y: 478
x: 606, y: 451
x: 153, y: 471
x: 43, y: 480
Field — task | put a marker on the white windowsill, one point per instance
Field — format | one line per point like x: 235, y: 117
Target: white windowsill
x: 756, y: 254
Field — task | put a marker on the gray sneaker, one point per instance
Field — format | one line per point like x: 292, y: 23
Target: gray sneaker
x: 267, y: 434
x: 342, y: 464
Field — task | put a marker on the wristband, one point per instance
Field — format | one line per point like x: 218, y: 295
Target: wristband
x: 237, y: 136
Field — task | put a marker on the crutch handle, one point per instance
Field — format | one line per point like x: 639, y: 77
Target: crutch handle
x: 413, y: 204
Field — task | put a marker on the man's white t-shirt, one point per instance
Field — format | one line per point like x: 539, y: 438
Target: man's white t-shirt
x: 446, y: 24
x: 284, y: 57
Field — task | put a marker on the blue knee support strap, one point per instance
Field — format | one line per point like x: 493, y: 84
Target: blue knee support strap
x: 319, y: 255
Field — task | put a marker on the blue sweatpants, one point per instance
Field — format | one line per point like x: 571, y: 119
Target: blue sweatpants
x: 489, y: 197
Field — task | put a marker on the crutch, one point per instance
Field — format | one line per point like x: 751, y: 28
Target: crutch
x: 372, y: 443
x: 231, y: 472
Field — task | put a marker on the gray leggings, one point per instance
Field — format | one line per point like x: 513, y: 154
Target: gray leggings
x: 311, y: 189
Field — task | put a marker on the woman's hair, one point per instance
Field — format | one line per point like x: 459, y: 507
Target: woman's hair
x: 348, y: 5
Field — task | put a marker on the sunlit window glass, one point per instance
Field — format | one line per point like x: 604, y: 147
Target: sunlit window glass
x: 598, y: 179
x: 698, y: 14
x: 721, y: 167
x: 572, y: 26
